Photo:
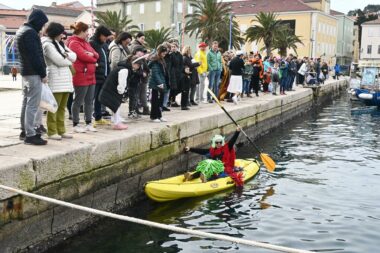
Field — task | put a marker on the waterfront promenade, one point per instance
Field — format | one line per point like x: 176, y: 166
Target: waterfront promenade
x: 107, y: 170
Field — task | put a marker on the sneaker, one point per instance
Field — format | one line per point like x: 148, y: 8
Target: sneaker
x: 102, y: 122
x: 66, y: 136
x: 79, y: 129
x: 193, y: 103
x: 133, y: 115
x: 35, y: 140
x: 120, y: 126
x: 106, y: 114
x: 90, y: 128
x: 156, y: 121
x: 203, y: 178
x: 185, y: 108
x: 55, y: 137
x: 234, y: 99
x: 22, y: 136
x: 210, y: 101
x: 163, y: 120
x: 41, y: 130
x: 165, y: 109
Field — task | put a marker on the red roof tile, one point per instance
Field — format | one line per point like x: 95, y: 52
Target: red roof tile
x: 256, y: 6
x: 13, y: 13
x: 336, y: 13
x: 12, y: 22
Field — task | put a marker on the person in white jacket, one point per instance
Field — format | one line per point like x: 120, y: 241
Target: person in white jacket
x: 58, y: 59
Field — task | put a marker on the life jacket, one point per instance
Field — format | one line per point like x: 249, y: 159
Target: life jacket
x: 226, y: 155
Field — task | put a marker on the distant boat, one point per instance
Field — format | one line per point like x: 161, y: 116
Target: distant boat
x: 367, y: 89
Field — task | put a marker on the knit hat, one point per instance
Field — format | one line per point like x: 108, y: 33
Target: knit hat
x: 202, y: 44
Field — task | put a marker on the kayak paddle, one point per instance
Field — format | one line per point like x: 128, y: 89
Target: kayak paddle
x: 265, y: 158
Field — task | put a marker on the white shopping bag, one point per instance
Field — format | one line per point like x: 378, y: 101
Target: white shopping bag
x: 48, y: 102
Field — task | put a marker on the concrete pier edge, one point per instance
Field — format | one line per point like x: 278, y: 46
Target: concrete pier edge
x: 75, y: 171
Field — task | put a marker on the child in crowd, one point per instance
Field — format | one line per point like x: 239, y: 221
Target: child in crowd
x: 248, y: 71
x: 266, y: 80
x: 113, y: 89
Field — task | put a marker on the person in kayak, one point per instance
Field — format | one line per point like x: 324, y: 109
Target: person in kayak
x: 219, y: 151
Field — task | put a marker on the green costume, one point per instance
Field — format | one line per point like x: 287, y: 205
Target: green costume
x: 210, y: 167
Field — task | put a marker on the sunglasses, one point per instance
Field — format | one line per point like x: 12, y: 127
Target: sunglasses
x: 218, y: 142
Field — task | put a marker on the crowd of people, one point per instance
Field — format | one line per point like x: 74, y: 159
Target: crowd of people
x: 104, y: 71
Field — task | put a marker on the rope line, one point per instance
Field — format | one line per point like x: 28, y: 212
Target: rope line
x: 156, y: 224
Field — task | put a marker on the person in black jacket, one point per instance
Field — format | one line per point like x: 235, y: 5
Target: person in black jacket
x: 98, y: 42
x: 236, y: 81
x: 33, y: 71
x: 176, y: 74
x: 190, y: 77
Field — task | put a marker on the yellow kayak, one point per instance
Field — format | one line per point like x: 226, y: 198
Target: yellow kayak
x: 174, y: 188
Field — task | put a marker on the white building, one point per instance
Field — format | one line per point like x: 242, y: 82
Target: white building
x: 370, y: 46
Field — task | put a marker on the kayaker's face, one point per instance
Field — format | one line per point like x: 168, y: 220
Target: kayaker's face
x: 218, y: 144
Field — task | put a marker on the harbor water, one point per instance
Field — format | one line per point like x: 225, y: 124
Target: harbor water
x: 324, y: 196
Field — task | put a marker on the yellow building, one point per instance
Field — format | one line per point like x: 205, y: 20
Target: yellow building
x: 310, y: 19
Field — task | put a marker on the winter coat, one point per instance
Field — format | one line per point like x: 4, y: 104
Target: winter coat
x: 236, y: 66
x: 159, y: 74
x: 188, y: 63
x: 114, y: 86
x: 117, y: 53
x: 103, y: 68
x: 176, y: 70
x: 201, y: 57
x: 303, y: 69
x: 59, y: 75
x: 29, y: 45
x: 214, y: 61
x: 85, y: 64
x: 257, y: 69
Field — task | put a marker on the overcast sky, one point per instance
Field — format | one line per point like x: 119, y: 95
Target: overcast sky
x: 339, y: 5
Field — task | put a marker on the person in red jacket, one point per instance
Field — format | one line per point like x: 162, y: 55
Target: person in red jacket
x: 84, y: 79
x: 223, y: 151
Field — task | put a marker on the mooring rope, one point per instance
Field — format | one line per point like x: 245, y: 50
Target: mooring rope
x: 156, y: 224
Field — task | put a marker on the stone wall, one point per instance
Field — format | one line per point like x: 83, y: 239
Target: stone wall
x: 75, y: 171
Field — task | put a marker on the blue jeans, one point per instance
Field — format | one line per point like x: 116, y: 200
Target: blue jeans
x: 283, y: 83
x: 246, y: 84
x: 213, y: 85
x: 165, y: 99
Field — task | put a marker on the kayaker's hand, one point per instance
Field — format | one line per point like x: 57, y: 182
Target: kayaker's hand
x: 238, y: 129
x: 187, y: 149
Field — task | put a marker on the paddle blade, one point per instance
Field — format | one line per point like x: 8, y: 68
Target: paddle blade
x: 214, y: 96
x: 268, y: 162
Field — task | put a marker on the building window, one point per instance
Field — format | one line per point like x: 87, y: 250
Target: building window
x: 158, y: 6
x: 369, y: 49
x: 142, y: 8
x: 378, y: 49
x: 179, y: 7
x: 142, y: 27
x: 129, y: 9
x: 158, y: 25
x: 189, y: 9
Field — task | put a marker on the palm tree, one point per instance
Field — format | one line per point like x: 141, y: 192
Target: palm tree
x: 115, y: 21
x: 153, y: 38
x: 286, y: 39
x: 266, y: 30
x: 210, y: 21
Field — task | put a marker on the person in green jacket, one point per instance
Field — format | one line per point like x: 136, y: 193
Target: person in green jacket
x: 214, y: 67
